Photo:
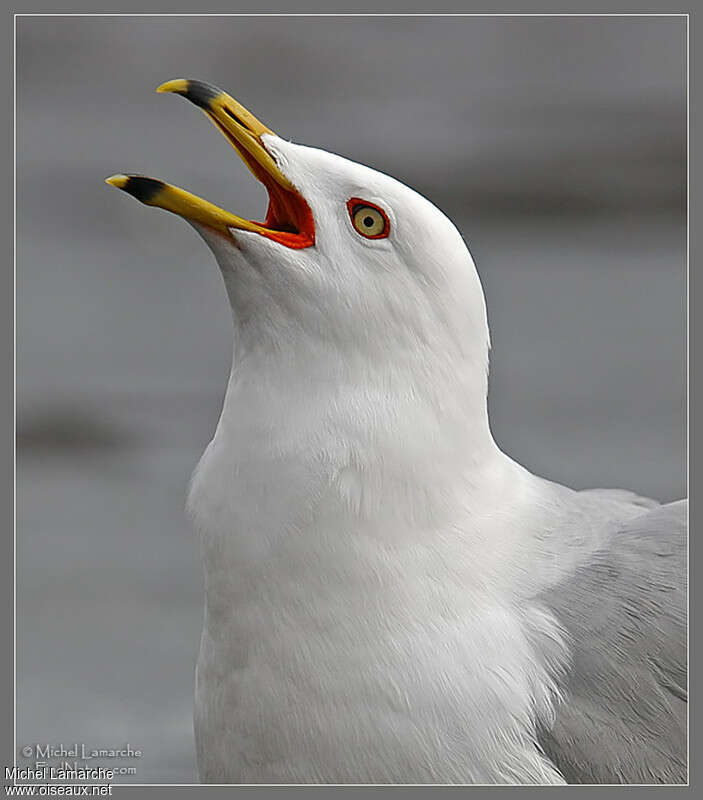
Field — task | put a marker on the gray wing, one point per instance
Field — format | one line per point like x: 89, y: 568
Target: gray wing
x: 623, y: 716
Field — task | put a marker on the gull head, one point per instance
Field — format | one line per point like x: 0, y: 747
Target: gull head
x: 348, y: 261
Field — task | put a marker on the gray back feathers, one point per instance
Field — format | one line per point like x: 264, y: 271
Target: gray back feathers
x: 623, y: 718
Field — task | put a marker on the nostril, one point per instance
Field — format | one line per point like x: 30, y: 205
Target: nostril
x: 233, y: 116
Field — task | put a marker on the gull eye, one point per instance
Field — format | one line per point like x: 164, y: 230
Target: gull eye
x: 368, y: 219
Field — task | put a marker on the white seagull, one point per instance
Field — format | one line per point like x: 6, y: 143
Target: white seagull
x: 389, y: 598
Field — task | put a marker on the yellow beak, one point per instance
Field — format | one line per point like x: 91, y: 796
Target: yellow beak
x: 289, y: 219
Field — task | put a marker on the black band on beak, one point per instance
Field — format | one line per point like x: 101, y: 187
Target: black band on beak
x: 144, y: 189
x: 200, y: 93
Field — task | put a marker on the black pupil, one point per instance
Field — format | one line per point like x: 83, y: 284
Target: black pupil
x: 368, y: 221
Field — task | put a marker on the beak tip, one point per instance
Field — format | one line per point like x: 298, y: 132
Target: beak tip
x: 177, y: 86
x: 119, y: 181
x: 199, y: 93
x: 140, y: 187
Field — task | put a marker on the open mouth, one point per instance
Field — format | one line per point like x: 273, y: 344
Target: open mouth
x: 289, y: 220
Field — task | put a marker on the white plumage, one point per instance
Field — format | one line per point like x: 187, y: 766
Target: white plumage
x: 371, y: 557
x: 387, y: 593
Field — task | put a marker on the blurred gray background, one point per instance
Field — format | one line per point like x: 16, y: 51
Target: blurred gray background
x: 558, y: 146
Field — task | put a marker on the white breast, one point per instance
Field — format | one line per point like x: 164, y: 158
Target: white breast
x: 349, y: 635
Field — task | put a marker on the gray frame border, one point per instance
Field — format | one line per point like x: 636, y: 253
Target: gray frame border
x: 7, y: 320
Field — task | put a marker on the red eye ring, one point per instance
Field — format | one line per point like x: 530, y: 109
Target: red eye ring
x: 355, y: 204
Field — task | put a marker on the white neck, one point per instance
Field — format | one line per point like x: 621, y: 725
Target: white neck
x: 308, y: 441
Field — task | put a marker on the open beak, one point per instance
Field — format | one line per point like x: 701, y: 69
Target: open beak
x: 288, y: 221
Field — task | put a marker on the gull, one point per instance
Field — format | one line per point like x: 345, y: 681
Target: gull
x: 390, y: 598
